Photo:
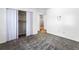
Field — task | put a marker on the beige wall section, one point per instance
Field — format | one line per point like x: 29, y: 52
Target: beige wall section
x: 3, y: 30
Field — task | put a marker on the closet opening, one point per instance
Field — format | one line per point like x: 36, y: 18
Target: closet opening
x: 21, y: 23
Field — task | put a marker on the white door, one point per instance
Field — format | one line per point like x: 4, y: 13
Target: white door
x: 11, y: 15
x: 29, y: 23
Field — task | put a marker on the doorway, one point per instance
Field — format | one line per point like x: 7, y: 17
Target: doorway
x: 21, y: 23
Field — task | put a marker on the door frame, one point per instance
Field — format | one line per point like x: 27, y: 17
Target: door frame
x: 18, y: 23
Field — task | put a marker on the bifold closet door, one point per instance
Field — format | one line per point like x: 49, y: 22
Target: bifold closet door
x: 11, y: 15
x: 29, y: 23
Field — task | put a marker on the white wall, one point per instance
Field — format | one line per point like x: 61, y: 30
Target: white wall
x: 3, y: 35
x: 67, y: 26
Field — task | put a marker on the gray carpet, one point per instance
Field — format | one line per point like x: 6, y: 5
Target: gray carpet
x: 41, y: 42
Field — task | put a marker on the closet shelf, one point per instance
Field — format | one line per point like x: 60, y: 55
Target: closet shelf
x: 21, y: 21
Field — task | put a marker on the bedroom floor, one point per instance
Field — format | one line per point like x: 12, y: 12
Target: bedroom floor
x: 41, y: 42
